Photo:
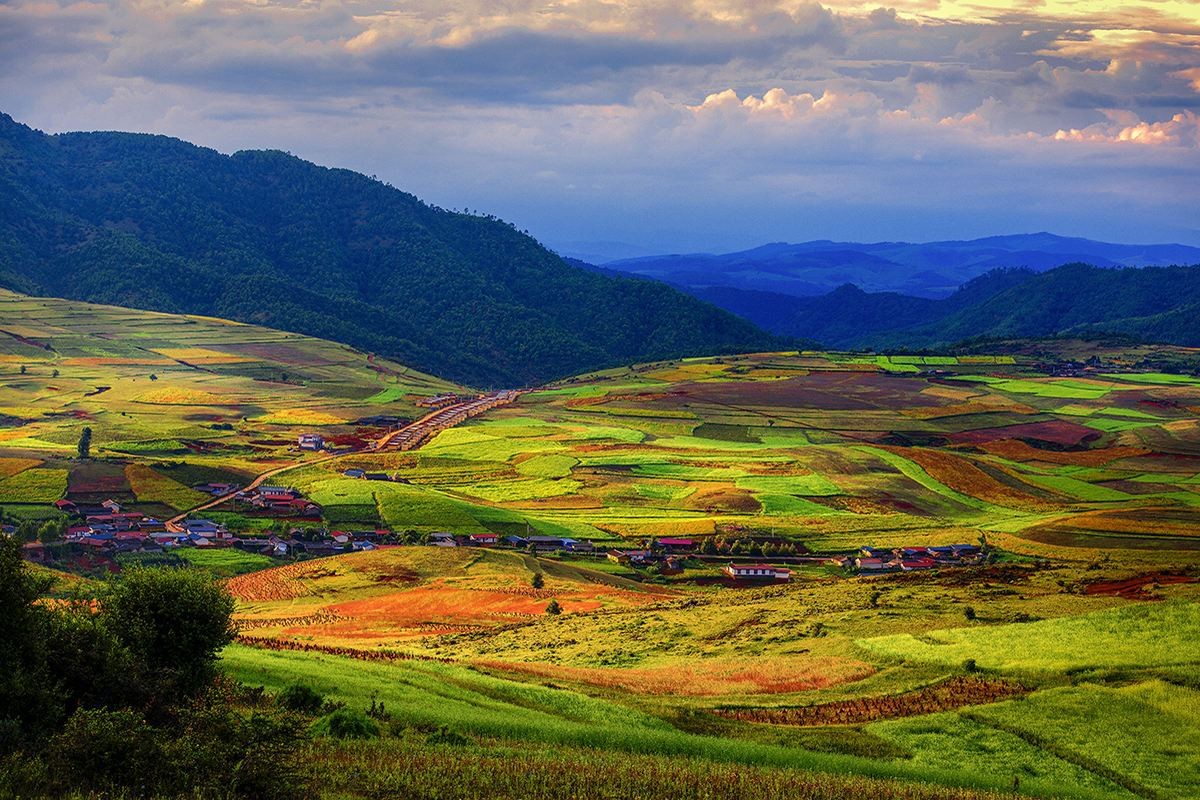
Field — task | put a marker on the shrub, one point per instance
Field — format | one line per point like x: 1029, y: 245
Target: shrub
x: 300, y: 697
x: 104, y: 750
x: 444, y: 735
x: 553, y: 608
x: 538, y: 581
x: 346, y: 723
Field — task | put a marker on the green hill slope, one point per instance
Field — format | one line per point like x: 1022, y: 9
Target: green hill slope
x: 263, y: 237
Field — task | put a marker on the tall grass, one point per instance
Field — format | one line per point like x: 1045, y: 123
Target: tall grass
x: 401, y: 769
x: 426, y: 694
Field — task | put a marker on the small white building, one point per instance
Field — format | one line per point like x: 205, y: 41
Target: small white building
x: 757, y: 572
x: 310, y: 441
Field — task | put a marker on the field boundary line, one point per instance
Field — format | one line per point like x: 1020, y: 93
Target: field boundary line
x: 1066, y: 754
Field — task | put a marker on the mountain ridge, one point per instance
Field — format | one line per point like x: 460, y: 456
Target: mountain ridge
x: 931, y: 269
x: 265, y: 237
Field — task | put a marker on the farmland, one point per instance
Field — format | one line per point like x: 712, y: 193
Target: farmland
x: 829, y: 451
x: 1062, y: 665
x: 946, y: 677
x: 172, y: 400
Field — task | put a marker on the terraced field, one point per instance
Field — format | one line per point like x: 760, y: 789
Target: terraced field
x: 831, y: 451
x: 172, y: 400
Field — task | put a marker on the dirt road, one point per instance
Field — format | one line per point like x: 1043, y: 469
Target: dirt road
x: 409, y: 437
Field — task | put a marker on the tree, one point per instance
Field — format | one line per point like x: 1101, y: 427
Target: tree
x: 537, y: 581
x: 174, y: 622
x: 153, y: 377
x: 24, y: 369
x: 554, y: 608
x: 85, y: 443
x: 54, y: 374
x: 29, y: 703
x: 52, y: 531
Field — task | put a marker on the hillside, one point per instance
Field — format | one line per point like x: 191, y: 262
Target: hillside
x: 1154, y: 304
x: 173, y: 400
x: 932, y: 270
x: 263, y: 237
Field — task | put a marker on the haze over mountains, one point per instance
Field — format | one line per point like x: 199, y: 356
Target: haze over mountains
x: 260, y: 236
x: 933, y: 269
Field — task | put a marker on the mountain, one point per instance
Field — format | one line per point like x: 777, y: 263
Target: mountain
x: 933, y: 270
x: 263, y: 237
x: 1157, y: 304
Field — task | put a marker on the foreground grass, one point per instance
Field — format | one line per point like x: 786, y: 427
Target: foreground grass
x: 428, y: 695
x: 401, y: 769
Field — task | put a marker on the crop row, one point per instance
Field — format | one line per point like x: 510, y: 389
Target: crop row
x: 944, y: 696
x: 384, y: 769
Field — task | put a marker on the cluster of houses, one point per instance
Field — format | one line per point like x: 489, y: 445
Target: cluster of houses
x: 109, y: 529
x: 363, y: 475
x: 330, y: 544
x: 910, y: 559
x: 279, y: 501
x: 537, y: 544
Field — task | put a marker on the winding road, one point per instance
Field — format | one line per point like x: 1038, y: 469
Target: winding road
x: 409, y: 437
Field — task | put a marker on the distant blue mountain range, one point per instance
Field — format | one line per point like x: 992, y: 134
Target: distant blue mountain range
x: 930, y: 270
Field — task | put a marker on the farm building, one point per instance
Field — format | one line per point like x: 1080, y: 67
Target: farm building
x: 757, y: 572
x: 485, y: 539
x: 354, y: 473
x: 677, y: 545
x: 544, y: 544
x: 310, y: 441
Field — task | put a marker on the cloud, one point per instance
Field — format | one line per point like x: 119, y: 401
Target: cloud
x: 1181, y: 130
x: 661, y: 120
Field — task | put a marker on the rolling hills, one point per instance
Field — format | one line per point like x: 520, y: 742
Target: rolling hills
x: 263, y: 237
x: 1153, y: 304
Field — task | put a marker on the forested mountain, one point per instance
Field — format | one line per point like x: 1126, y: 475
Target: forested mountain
x: 1158, y: 304
x: 932, y: 269
x: 264, y: 237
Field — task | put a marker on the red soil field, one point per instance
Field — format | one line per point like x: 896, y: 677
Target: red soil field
x: 961, y: 475
x: 1023, y: 452
x: 1134, y: 588
x: 1059, y: 432
x: 949, y: 694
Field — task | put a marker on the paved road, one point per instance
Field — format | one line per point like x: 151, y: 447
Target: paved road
x: 409, y: 437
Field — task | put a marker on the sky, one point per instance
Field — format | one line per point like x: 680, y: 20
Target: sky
x: 636, y: 126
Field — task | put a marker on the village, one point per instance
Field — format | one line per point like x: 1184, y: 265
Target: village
x: 107, y: 531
